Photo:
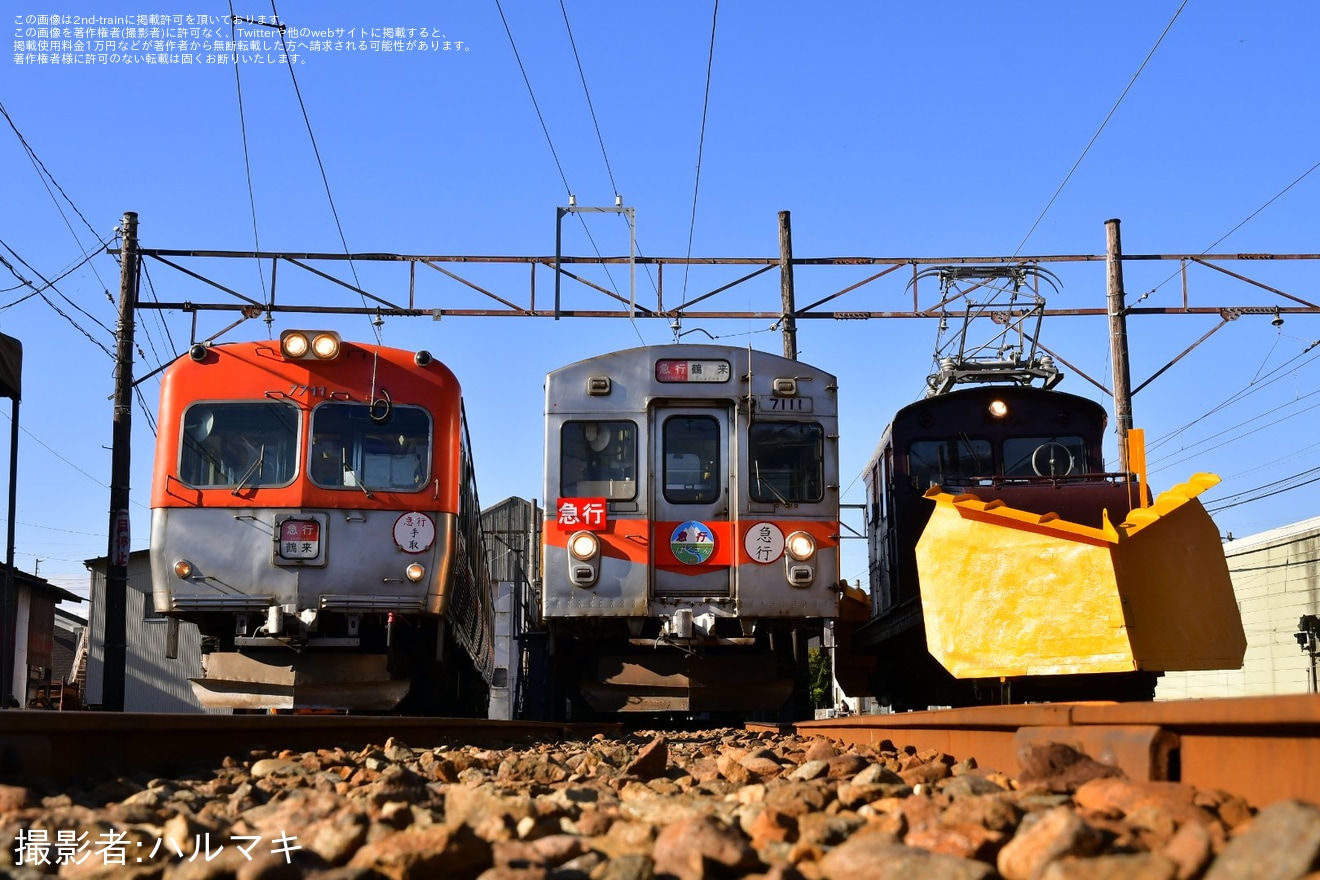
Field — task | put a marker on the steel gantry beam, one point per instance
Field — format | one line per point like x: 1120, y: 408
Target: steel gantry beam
x: 389, y: 298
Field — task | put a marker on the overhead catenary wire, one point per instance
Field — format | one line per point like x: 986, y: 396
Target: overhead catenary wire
x: 320, y: 164
x: 600, y: 138
x: 247, y: 159
x: 60, y: 311
x: 1110, y: 115
x: 701, y: 142
x: 545, y: 129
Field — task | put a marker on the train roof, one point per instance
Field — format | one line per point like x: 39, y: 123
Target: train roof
x: 737, y: 355
x: 1008, y: 392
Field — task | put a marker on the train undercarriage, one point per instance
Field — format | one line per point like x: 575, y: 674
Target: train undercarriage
x: 597, y: 673
x: 352, y: 663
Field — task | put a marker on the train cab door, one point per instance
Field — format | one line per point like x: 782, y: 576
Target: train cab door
x: 691, y: 499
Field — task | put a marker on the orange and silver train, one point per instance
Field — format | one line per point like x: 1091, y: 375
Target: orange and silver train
x: 1008, y: 566
x: 315, y: 515
x: 692, y: 528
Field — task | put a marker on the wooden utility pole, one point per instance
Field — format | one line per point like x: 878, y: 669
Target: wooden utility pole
x: 1118, y: 347
x: 786, y: 285
x: 11, y: 372
x: 116, y: 568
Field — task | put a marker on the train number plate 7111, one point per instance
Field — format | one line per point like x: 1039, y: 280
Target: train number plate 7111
x: 783, y: 404
x: 300, y: 539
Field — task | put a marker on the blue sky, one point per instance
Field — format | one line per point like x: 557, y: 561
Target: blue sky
x: 922, y: 130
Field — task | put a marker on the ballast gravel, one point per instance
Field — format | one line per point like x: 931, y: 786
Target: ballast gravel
x: 726, y: 803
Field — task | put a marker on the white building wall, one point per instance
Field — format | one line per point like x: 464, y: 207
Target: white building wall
x: 1276, y: 577
x: 153, y: 682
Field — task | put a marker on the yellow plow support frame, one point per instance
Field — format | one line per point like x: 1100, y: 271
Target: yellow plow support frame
x: 1010, y: 593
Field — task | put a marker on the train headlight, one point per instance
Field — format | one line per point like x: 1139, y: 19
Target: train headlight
x: 998, y: 409
x: 294, y: 344
x: 183, y: 569
x: 323, y: 345
x: 584, y: 545
x: 415, y: 572
x: 800, y: 546
x: 326, y: 346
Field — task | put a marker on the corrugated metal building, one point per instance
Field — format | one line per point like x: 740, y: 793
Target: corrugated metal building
x: 152, y: 682
x: 1276, y: 577
x: 513, y: 549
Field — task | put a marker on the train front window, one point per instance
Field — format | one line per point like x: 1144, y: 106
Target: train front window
x: 598, y: 459
x: 241, y: 445
x: 787, y: 461
x: 692, y: 460
x: 352, y: 450
x: 1051, y: 456
x: 949, y: 461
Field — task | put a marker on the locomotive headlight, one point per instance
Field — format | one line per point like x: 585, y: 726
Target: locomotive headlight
x: 584, y: 545
x: 415, y: 572
x: 998, y: 409
x: 800, y: 546
x: 294, y: 344
x: 325, y: 346
x: 183, y: 569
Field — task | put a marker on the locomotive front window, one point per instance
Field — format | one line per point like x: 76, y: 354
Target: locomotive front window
x: 692, y: 460
x: 598, y: 460
x: 787, y: 461
x: 948, y: 462
x: 356, y: 447
x: 240, y: 445
x: 1053, y: 456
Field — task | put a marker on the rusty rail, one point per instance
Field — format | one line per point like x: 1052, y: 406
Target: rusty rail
x: 1262, y: 748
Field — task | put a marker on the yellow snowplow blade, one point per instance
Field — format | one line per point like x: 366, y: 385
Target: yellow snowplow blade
x: 1008, y: 593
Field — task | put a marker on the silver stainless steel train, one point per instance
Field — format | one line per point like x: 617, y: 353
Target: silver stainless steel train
x: 690, y: 545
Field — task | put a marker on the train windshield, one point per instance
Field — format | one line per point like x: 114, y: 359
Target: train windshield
x: 598, y: 459
x: 1055, y: 456
x: 245, y: 445
x: 949, y: 462
x: 787, y: 461
x: 355, y: 447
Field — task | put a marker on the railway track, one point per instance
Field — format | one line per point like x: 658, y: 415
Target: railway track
x: 210, y: 797
x: 1254, y: 747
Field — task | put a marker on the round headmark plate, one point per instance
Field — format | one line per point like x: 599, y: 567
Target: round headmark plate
x: 692, y: 543
x: 414, y: 532
x: 764, y: 543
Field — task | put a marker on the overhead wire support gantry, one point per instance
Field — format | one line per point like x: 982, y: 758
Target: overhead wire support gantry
x: 405, y: 299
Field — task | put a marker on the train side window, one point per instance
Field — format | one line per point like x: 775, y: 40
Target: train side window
x: 248, y: 444
x: 787, y: 461
x: 1044, y: 456
x: 598, y: 459
x: 351, y: 450
x: 691, y: 460
x: 948, y: 461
